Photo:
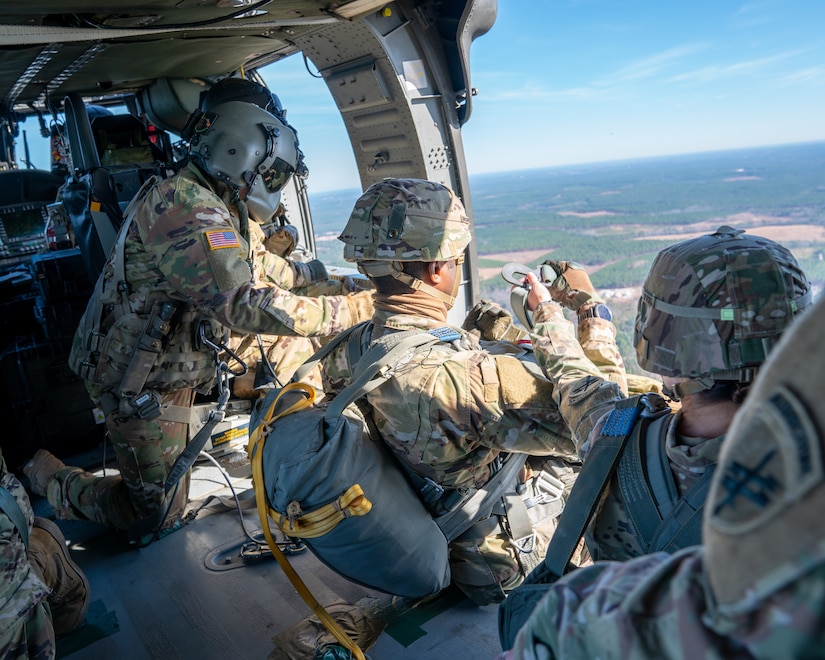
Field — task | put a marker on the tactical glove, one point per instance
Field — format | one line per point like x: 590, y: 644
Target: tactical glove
x: 572, y: 287
x: 317, y: 270
x: 282, y: 241
x: 491, y: 322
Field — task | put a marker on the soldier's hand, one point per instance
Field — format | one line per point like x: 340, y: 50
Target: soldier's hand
x: 317, y: 270
x: 491, y: 322
x: 537, y: 292
x: 572, y: 287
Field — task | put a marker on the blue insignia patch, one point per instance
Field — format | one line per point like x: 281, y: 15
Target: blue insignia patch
x: 445, y: 334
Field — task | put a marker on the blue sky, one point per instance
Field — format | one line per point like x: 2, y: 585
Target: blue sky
x: 575, y: 81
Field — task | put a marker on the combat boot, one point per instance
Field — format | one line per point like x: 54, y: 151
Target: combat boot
x: 41, y: 470
x: 50, y: 558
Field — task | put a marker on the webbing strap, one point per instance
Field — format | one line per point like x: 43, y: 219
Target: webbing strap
x: 518, y: 303
x: 12, y: 509
x: 522, y: 536
x: 320, y: 521
x: 302, y: 371
x: 637, y: 492
x: 479, y: 504
x: 590, y: 484
x: 657, y: 465
x: 683, y: 527
x: 370, y: 371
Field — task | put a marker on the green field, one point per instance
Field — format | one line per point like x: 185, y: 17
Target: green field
x: 615, y: 217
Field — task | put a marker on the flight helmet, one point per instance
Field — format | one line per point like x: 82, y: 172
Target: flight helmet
x: 398, y: 220
x: 241, y: 89
x: 712, y: 307
x: 250, y: 149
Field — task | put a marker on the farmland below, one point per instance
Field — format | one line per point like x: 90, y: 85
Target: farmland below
x: 614, y: 217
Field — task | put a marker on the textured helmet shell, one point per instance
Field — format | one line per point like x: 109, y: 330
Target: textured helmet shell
x: 249, y: 148
x: 240, y: 89
x: 406, y: 220
x: 713, y: 306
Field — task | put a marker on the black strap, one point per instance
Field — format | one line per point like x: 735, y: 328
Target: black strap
x: 683, y: 527
x: 657, y: 464
x: 663, y: 520
x: 12, y: 509
x: 639, y: 494
x: 590, y: 484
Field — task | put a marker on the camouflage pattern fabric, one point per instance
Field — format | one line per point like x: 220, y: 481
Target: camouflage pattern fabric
x: 756, y: 588
x: 660, y: 606
x: 448, y: 414
x: 406, y: 220
x: 145, y: 451
x: 764, y: 526
x: 25, y: 624
x: 717, y: 303
x: 285, y: 353
x: 183, y: 246
x: 177, y: 223
x: 584, y: 398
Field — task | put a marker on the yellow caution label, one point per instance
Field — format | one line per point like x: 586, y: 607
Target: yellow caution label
x: 94, y: 205
x: 230, y: 434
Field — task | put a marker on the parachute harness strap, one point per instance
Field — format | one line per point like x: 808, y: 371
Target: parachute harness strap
x: 256, y: 449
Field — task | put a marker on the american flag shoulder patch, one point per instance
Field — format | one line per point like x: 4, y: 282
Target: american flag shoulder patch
x: 222, y: 238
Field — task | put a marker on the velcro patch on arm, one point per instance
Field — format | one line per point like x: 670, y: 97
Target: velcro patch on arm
x: 519, y: 387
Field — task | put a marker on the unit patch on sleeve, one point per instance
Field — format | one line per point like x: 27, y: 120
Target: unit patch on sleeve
x: 222, y: 238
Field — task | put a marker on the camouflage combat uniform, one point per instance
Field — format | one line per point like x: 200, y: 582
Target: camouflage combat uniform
x: 185, y: 245
x: 711, y: 309
x: 756, y: 587
x: 284, y: 353
x: 448, y: 414
x: 584, y: 398
x: 25, y: 623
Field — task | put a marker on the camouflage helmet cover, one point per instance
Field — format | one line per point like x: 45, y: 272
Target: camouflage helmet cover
x: 406, y: 220
x: 713, y: 306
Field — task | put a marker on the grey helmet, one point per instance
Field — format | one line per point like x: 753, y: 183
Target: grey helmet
x: 249, y: 148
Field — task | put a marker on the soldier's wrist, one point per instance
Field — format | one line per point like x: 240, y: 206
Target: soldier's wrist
x: 594, y: 310
x: 545, y: 308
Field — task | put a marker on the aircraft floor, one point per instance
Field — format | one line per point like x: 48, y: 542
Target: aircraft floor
x: 170, y: 604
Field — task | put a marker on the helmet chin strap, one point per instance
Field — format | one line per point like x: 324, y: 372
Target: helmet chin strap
x: 393, y: 269
x: 694, y: 385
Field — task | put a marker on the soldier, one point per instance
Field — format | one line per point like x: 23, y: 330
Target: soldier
x: 182, y: 273
x: 43, y: 593
x: 711, y: 309
x: 454, y: 409
x: 756, y: 587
